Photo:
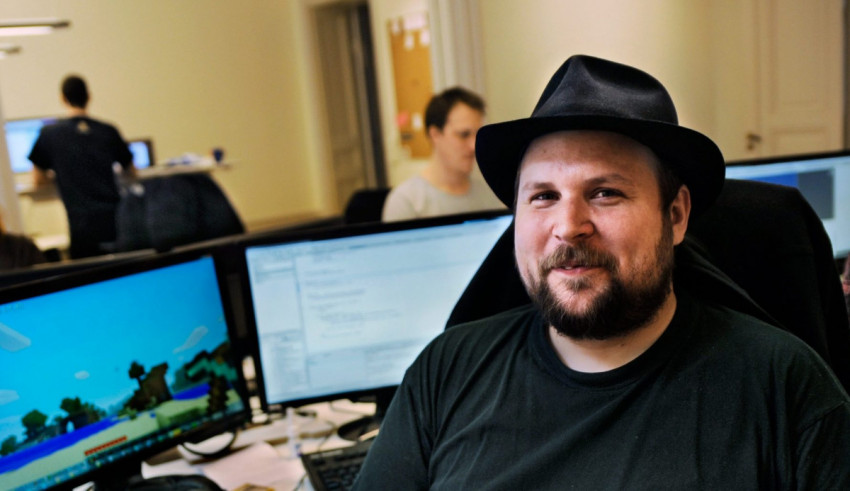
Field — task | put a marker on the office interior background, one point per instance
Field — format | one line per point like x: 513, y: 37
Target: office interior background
x: 273, y: 81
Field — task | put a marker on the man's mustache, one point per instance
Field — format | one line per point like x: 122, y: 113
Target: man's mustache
x: 566, y: 256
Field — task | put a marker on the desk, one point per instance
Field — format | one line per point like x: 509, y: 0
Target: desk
x: 43, y: 213
x: 285, y: 467
x: 24, y: 184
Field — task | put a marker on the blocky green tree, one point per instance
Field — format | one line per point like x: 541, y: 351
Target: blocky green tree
x: 137, y: 371
x: 9, y: 445
x: 34, y: 421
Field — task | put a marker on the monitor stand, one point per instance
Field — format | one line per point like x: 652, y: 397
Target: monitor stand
x: 119, y: 477
x: 355, y: 430
x: 128, y: 477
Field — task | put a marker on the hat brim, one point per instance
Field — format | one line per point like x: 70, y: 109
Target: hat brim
x: 694, y: 157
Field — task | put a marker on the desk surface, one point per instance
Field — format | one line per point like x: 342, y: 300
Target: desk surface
x: 25, y: 187
x: 265, y: 456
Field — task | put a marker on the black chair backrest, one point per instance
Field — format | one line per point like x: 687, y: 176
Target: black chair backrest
x: 171, y: 211
x: 760, y: 249
x: 365, y: 205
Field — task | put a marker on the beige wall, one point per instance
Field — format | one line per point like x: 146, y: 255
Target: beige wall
x: 192, y: 75
x: 525, y: 42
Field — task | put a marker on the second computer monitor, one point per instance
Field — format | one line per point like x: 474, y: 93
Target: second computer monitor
x: 107, y: 367
x: 345, y: 312
x: 21, y: 135
x: 823, y: 179
x: 142, y: 150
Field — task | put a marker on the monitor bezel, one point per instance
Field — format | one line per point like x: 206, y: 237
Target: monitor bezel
x: 231, y: 422
x: 316, y: 235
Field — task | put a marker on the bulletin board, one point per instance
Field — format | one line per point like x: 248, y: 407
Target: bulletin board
x: 410, y: 39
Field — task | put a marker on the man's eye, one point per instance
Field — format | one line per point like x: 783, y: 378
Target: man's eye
x: 544, y: 196
x: 606, y: 193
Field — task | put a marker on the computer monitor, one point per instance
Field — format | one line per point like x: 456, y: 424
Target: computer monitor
x: 342, y: 313
x: 107, y: 367
x: 823, y: 179
x: 21, y: 135
x: 142, y: 150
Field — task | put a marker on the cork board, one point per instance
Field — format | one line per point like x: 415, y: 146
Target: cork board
x: 410, y: 40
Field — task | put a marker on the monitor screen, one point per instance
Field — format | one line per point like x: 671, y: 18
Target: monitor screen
x: 347, y: 311
x: 142, y: 150
x: 107, y: 367
x: 21, y: 135
x: 823, y: 179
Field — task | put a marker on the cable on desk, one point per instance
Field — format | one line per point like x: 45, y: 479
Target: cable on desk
x: 216, y: 453
x: 324, y: 440
x: 300, y: 482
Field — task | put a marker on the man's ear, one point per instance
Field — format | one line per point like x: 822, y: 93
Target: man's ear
x: 680, y: 212
x: 433, y: 132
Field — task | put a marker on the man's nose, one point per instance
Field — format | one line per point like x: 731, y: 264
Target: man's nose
x: 573, y: 222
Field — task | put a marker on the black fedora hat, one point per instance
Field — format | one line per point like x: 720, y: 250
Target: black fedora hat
x: 588, y: 93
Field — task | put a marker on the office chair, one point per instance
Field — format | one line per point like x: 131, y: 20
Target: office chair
x: 169, y: 211
x: 365, y: 205
x: 760, y: 249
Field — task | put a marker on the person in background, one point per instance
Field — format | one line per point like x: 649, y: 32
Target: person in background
x: 615, y: 376
x: 81, y: 152
x: 18, y: 251
x: 446, y: 185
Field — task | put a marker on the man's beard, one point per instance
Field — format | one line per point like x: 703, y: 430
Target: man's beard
x: 618, y: 309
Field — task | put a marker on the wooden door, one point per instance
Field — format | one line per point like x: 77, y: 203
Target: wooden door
x: 337, y: 42
x: 800, y: 72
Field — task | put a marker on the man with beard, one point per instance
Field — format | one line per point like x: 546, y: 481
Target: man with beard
x: 614, y: 378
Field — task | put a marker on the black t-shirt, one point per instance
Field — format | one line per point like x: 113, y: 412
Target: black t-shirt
x: 82, y: 151
x: 720, y: 401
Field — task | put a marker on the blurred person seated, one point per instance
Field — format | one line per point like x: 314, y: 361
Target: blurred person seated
x: 18, y: 251
x: 446, y: 186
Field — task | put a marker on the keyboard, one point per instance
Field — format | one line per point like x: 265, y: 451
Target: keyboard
x: 332, y: 470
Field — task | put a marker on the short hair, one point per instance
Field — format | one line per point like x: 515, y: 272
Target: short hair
x: 441, y: 104
x: 75, y: 91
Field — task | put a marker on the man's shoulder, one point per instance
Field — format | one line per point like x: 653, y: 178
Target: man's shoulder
x: 73, y: 124
x: 744, y: 340
x: 742, y: 327
x: 100, y: 124
x: 413, y: 184
x: 484, y: 333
